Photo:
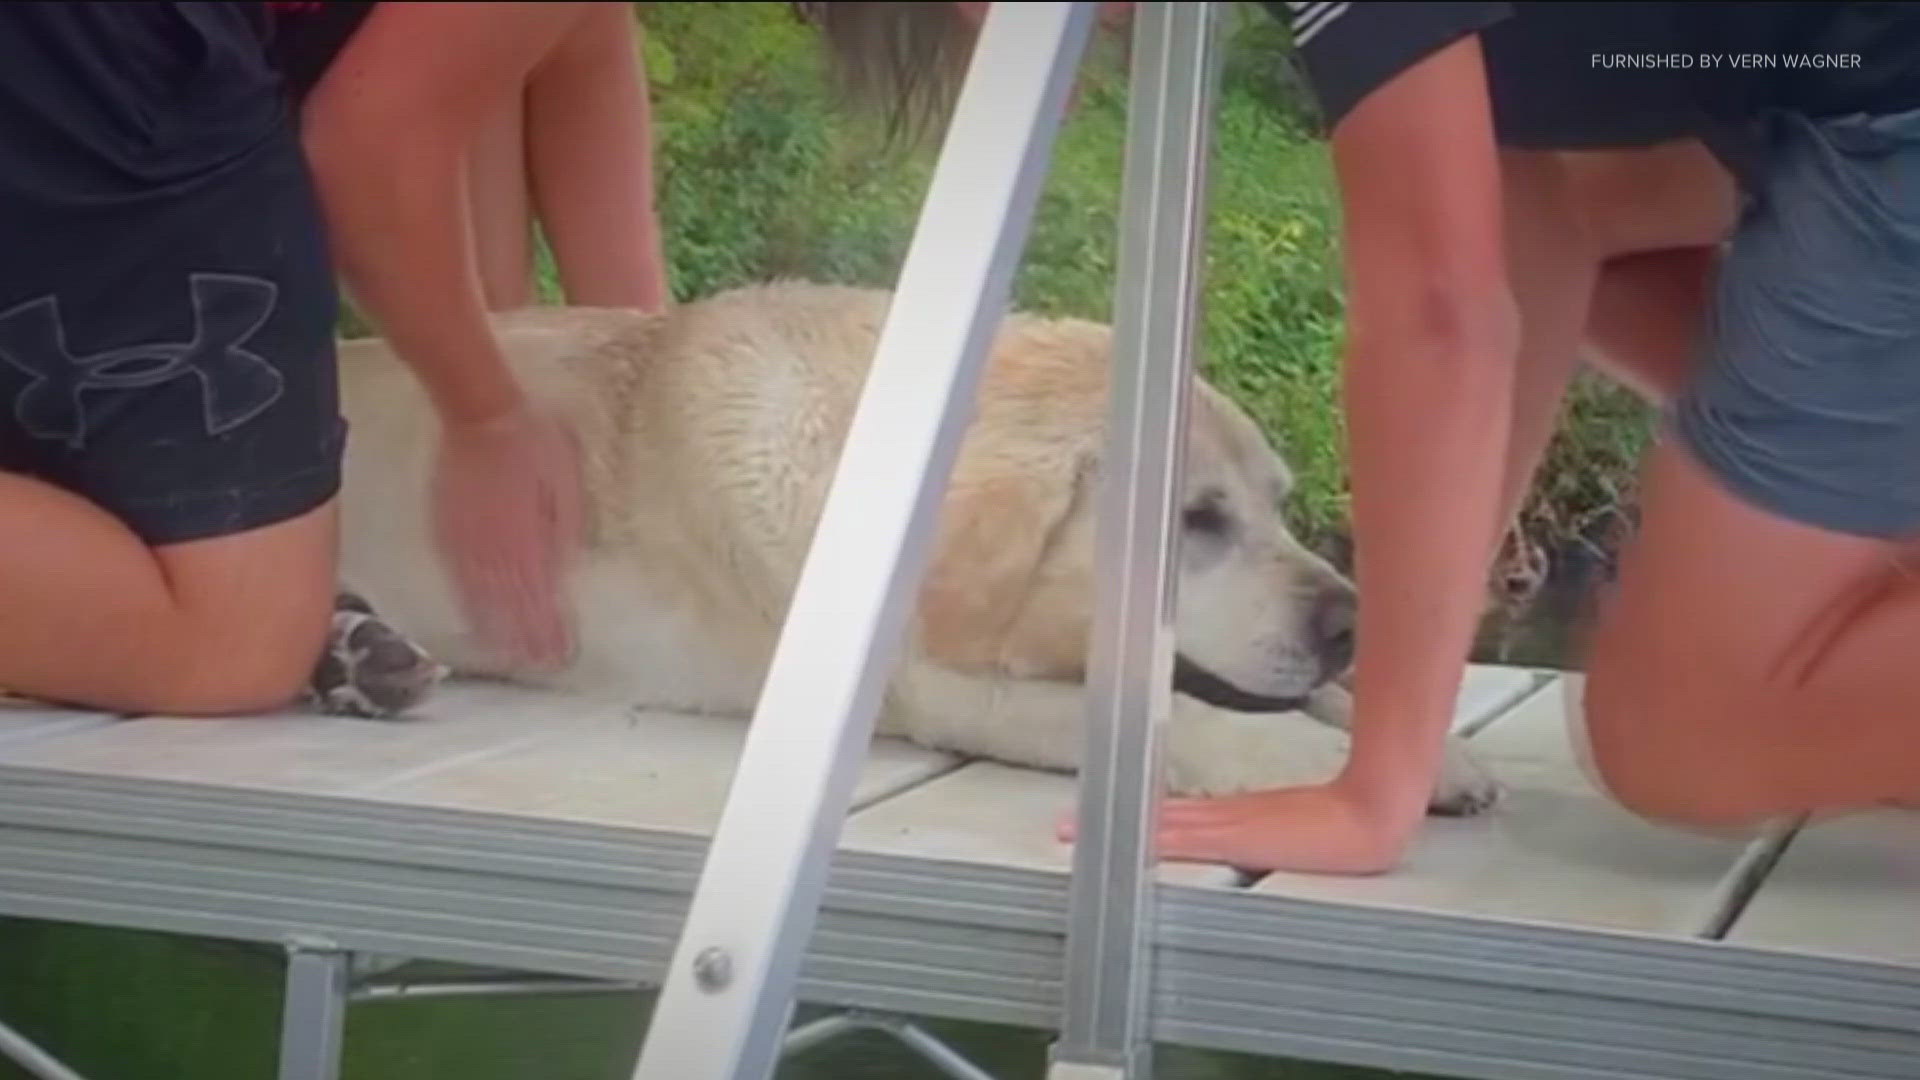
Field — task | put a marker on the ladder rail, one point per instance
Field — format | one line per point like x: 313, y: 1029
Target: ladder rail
x: 728, y: 994
x: 1106, y: 1029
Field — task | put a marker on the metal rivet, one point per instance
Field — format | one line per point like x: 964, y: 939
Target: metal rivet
x: 712, y: 968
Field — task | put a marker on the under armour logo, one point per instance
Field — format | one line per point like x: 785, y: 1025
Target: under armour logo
x: 235, y: 385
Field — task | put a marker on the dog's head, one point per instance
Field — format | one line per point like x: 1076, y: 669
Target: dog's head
x: 1261, y: 621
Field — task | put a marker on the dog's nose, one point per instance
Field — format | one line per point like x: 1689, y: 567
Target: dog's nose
x: 1335, y: 612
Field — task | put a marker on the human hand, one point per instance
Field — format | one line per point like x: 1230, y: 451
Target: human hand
x: 507, y: 516
x: 1333, y: 828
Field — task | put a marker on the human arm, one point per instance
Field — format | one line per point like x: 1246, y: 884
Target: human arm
x: 1432, y: 343
x: 387, y: 132
x: 1432, y: 337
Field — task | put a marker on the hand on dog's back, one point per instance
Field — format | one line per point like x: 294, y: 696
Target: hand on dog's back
x: 507, y: 508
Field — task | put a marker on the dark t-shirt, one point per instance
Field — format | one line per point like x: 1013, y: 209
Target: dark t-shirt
x: 307, y: 37
x: 1586, y: 67
x: 103, y: 101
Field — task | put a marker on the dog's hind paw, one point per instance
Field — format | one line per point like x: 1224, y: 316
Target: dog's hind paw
x: 368, y: 668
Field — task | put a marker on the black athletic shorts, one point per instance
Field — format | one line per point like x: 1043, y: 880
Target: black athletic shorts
x: 167, y: 299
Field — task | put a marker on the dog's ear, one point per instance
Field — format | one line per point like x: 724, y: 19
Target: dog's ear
x: 998, y: 524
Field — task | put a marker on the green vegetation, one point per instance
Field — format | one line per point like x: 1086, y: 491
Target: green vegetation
x: 762, y: 177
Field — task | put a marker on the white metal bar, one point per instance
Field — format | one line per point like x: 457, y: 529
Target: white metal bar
x: 1105, y: 1030
x: 812, y: 1034
x: 313, y: 1018
x: 936, y: 1053
x: 728, y: 993
x: 924, y: 1044
x: 39, y: 1064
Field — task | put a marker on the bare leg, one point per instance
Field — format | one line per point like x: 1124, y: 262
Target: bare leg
x: 1717, y: 703
x: 589, y: 140
x: 96, y: 619
x: 501, y: 211
x: 1657, y: 217
x: 1646, y: 318
x: 1751, y: 667
x: 1660, y: 714
x: 1553, y: 264
x: 1636, y: 231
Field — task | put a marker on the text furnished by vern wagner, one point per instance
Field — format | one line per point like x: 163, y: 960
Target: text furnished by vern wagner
x: 1709, y: 61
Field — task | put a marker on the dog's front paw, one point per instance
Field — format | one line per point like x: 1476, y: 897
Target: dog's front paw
x: 1466, y: 787
x: 1213, y: 752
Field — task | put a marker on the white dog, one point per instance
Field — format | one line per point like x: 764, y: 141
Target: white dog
x: 710, y: 437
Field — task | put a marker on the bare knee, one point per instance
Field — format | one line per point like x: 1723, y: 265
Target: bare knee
x: 267, y: 673
x: 1662, y: 723
x: 1666, y: 745
x: 1621, y: 715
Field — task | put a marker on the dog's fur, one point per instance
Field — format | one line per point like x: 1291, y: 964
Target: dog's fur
x: 710, y: 436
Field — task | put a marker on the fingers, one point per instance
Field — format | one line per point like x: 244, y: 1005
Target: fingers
x: 565, y: 502
x: 1180, y: 841
x: 1233, y: 831
x: 570, y: 503
x: 1198, y: 813
x: 1175, y: 814
x: 515, y: 585
x: 510, y: 513
x: 511, y: 598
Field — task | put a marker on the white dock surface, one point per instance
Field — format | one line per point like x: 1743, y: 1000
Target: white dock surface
x: 519, y: 828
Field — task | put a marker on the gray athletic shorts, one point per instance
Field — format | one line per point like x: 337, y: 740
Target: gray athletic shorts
x: 1807, y: 400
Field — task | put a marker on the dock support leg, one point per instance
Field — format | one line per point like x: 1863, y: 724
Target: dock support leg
x: 39, y: 1064
x: 728, y: 994
x: 313, y: 1018
x: 1106, y: 1028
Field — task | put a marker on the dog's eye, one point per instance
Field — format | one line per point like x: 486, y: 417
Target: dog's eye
x: 1205, y: 517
